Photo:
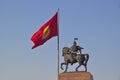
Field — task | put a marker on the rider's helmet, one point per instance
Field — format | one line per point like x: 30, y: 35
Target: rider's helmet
x: 74, y: 43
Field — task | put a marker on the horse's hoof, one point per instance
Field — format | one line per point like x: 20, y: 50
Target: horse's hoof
x: 85, y: 70
x: 76, y: 70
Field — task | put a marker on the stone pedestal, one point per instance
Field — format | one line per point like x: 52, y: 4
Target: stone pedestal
x: 75, y: 76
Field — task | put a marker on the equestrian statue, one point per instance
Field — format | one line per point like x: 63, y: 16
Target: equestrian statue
x: 73, y: 55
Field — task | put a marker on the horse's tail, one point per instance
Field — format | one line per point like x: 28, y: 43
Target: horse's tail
x: 86, y: 58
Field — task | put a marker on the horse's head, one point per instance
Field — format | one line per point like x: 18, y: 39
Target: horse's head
x: 65, y: 51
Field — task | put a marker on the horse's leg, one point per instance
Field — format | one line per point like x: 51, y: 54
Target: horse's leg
x: 85, y: 67
x: 78, y: 67
x: 62, y: 65
x: 66, y: 67
x: 86, y: 60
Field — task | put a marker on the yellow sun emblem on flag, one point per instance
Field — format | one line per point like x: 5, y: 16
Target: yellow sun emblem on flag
x: 46, y: 32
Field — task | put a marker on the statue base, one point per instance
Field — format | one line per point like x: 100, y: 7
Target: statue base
x: 75, y: 76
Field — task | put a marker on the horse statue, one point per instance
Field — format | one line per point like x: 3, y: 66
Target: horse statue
x: 82, y: 59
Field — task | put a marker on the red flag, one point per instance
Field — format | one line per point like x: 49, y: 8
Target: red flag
x: 47, y: 31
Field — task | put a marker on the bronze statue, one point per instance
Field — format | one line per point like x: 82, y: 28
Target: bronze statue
x: 70, y: 56
x: 74, y: 49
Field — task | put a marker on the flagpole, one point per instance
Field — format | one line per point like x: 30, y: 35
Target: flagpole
x: 58, y: 47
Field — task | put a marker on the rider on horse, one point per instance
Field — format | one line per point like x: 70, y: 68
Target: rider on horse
x: 71, y: 56
x: 74, y: 50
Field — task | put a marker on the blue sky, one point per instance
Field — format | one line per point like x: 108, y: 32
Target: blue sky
x: 96, y: 23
